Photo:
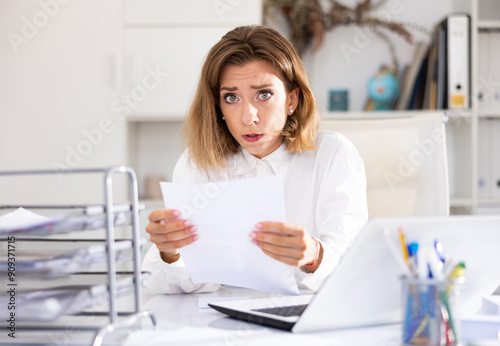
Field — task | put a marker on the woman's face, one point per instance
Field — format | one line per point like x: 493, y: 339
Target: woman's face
x: 255, y: 103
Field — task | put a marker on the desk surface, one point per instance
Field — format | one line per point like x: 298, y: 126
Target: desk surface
x: 186, y: 320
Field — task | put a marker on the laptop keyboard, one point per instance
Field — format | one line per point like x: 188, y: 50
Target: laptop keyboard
x: 286, y: 311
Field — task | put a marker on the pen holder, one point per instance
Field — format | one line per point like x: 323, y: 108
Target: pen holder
x: 429, y: 312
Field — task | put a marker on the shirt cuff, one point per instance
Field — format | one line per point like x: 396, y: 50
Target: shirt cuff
x: 328, y: 263
x: 170, y: 278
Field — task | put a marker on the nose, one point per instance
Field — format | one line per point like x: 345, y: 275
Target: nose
x: 250, y: 115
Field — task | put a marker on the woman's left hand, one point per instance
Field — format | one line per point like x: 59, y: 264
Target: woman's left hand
x: 288, y: 243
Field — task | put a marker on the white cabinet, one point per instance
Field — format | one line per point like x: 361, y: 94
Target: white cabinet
x: 169, y: 40
x: 460, y: 160
x: 485, y: 15
x: 163, y: 68
x: 166, y: 43
x: 58, y: 82
x: 194, y: 13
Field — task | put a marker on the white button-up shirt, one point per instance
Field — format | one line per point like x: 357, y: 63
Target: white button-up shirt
x: 325, y: 192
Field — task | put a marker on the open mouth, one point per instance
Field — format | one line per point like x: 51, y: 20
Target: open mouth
x: 252, y: 137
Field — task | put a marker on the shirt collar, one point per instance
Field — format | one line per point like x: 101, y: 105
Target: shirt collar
x: 279, y: 161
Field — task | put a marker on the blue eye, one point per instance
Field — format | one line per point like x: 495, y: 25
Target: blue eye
x: 265, y: 95
x: 230, y: 98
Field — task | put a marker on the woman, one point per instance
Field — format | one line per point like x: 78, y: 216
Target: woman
x: 254, y: 114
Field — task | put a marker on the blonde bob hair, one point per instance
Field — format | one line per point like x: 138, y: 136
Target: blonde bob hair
x: 206, y: 135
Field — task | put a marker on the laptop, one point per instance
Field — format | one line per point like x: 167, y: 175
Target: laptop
x: 365, y: 288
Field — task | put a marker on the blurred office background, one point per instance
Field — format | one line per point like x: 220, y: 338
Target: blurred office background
x: 93, y: 83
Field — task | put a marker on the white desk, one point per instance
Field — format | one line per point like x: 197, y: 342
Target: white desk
x: 181, y: 321
x: 186, y: 320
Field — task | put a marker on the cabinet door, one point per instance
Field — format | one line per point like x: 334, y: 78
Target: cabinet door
x: 193, y: 12
x: 58, y: 82
x: 164, y: 65
x: 488, y: 78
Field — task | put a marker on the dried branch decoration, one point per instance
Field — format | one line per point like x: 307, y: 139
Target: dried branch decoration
x: 309, y: 20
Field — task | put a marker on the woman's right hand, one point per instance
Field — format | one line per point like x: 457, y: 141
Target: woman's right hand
x: 170, y: 233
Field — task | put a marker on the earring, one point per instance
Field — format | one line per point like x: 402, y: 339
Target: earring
x: 224, y: 118
x: 291, y: 111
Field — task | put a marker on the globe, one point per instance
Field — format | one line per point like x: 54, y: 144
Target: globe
x: 383, y: 89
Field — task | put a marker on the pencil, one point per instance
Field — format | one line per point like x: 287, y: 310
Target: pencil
x: 404, y: 247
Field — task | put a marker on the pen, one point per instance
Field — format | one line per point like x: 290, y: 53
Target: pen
x: 439, y: 250
x: 435, y: 265
x: 422, y: 267
x: 457, y: 272
x: 412, y: 307
x: 418, y: 332
x: 444, y: 308
x: 412, y: 253
x: 422, y: 318
x: 447, y: 319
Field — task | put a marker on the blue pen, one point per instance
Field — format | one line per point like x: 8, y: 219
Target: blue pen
x: 422, y: 317
x: 412, y: 253
x: 439, y: 250
x: 411, y: 322
x: 434, y: 308
x: 435, y: 262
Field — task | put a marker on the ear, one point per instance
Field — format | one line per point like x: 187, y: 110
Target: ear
x: 293, y: 99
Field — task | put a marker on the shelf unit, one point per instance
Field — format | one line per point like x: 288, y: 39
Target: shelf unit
x: 485, y: 112
x: 485, y: 25
x: 76, y: 221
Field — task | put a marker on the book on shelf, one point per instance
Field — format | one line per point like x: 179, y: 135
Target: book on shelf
x: 417, y: 94
x: 410, y: 77
x: 442, y: 87
x: 430, y: 95
x: 439, y: 75
x: 458, y: 61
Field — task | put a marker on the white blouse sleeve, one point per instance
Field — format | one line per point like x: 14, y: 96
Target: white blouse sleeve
x: 341, y: 209
x: 174, y: 278
x: 170, y: 278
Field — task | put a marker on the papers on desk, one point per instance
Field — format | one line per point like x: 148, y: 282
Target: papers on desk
x: 47, y: 258
x: 51, y: 303
x: 225, y: 212
x: 62, y: 258
x: 74, y: 219
x: 22, y: 219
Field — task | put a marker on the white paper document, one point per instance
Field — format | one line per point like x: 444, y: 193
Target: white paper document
x: 225, y: 213
x: 21, y: 219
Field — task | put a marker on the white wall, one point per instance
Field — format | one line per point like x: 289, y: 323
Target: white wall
x: 57, y: 83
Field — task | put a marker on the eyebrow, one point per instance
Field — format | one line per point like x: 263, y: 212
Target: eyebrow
x: 252, y: 86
